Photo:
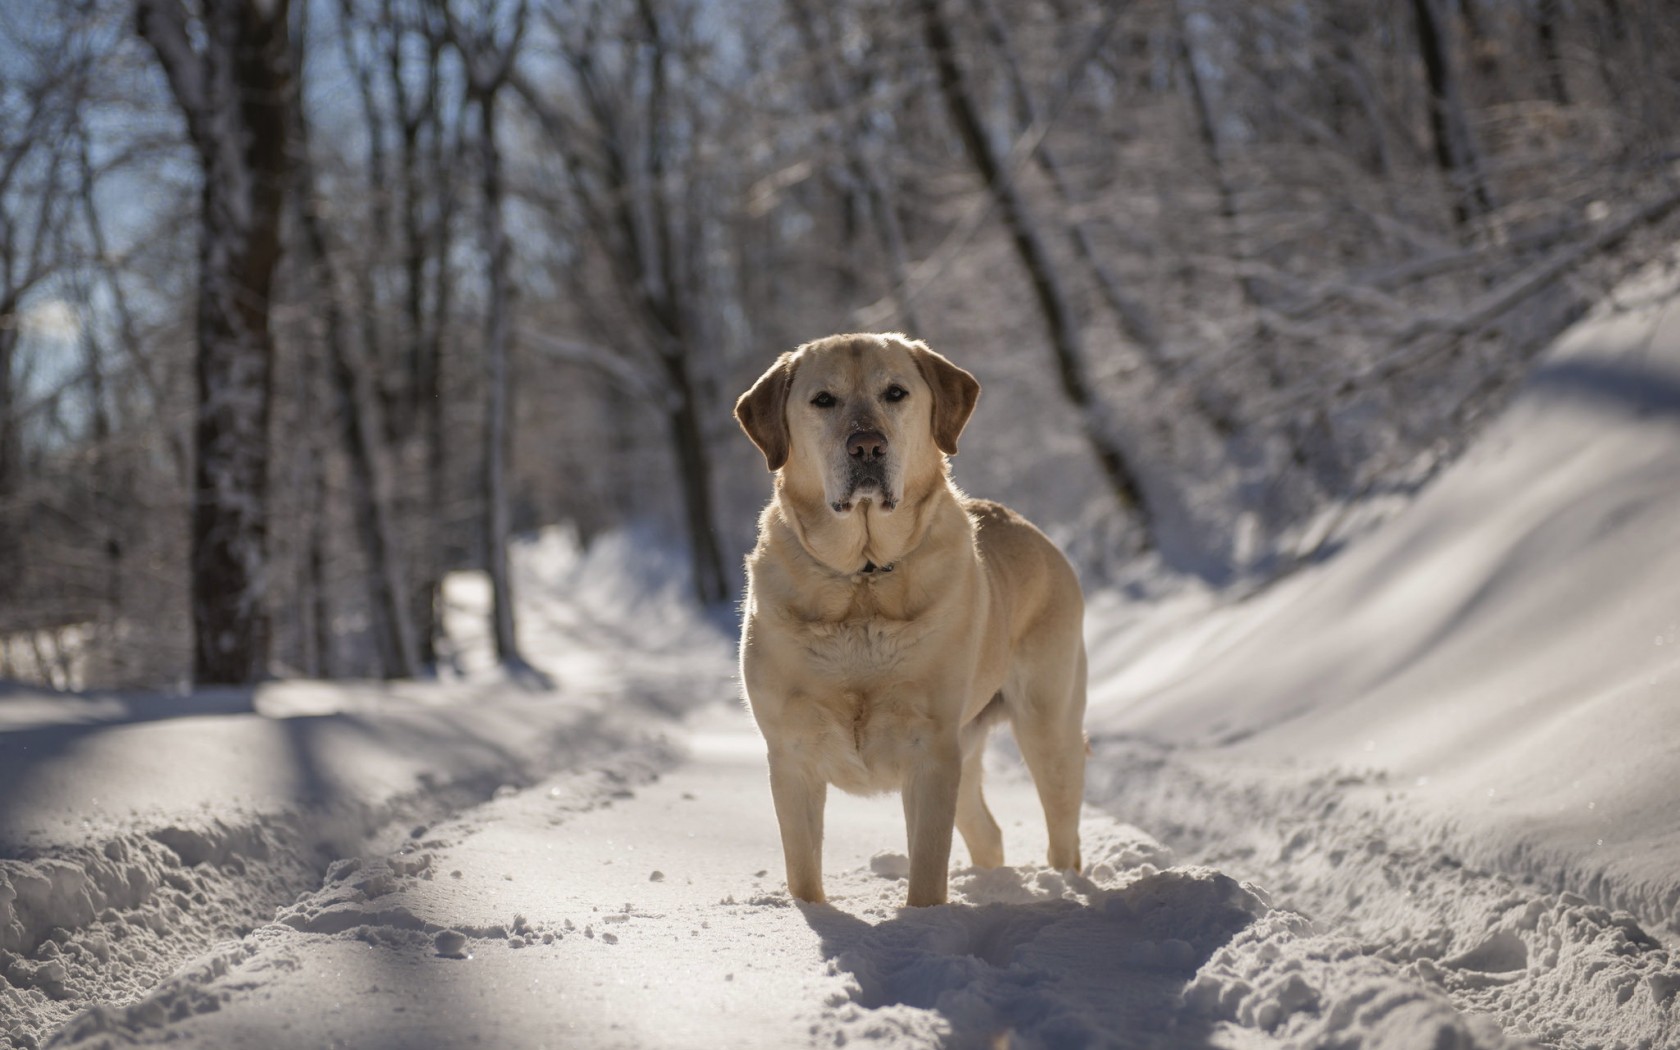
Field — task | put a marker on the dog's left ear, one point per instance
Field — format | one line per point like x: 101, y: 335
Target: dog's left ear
x: 762, y: 412
x: 955, y: 393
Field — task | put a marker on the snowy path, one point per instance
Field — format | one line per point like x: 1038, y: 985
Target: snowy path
x: 619, y: 905
x: 636, y: 901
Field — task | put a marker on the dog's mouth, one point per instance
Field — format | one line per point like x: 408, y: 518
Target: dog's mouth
x: 865, y: 483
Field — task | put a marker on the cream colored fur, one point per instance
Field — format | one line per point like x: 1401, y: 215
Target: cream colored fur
x: 890, y: 679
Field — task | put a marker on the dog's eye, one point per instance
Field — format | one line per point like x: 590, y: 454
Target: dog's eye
x: 896, y: 393
x: 824, y: 400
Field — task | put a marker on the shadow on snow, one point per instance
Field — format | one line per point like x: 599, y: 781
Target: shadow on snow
x: 1104, y: 972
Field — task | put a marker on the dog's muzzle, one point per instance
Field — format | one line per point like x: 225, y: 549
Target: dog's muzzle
x: 865, y: 471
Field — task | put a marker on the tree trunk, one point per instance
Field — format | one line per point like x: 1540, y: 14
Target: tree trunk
x: 440, y: 243
x: 1545, y: 29
x: 1207, y: 133
x: 233, y: 88
x: 1455, y: 150
x: 488, y: 67
x: 423, y: 386
x: 1062, y: 326
x: 358, y: 411
x: 496, y: 406
x: 109, y: 496
x: 9, y: 458
x: 321, y: 663
x: 370, y: 486
x: 711, y: 575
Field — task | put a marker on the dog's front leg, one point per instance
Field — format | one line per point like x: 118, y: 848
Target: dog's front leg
x: 800, y: 797
x: 930, y: 810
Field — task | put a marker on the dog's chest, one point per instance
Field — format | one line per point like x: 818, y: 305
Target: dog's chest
x: 858, y: 651
x: 857, y: 713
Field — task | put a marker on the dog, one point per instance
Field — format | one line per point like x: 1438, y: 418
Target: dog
x: 890, y: 621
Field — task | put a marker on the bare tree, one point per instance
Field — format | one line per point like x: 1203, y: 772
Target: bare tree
x: 359, y: 411
x: 1455, y: 146
x: 395, y: 50
x: 840, y: 93
x: 229, y: 71
x: 427, y: 184
x: 24, y: 240
x: 1232, y: 224
x: 1547, y: 14
x: 1061, y: 323
x: 488, y: 58
x: 633, y: 165
x: 33, y: 158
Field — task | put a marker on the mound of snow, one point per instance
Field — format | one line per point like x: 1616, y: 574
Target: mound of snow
x: 1507, y: 650
x: 1455, y: 740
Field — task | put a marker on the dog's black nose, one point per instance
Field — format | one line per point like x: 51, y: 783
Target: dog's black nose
x: 867, y: 444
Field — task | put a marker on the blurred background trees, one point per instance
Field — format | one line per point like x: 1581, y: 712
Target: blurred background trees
x: 304, y: 304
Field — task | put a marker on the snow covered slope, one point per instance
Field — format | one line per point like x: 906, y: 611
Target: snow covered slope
x: 1492, y: 679
x: 1507, y: 650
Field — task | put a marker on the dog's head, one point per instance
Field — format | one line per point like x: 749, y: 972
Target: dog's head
x: 863, y: 417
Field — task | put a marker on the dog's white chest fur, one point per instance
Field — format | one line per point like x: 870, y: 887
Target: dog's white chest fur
x: 862, y: 649
x: 854, y: 712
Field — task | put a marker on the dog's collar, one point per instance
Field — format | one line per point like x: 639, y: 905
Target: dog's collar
x: 870, y: 568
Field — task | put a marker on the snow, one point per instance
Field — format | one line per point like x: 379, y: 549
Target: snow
x: 1419, y: 795
x: 140, y: 830
x: 539, y: 917
x: 1506, y: 653
x: 1474, y: 705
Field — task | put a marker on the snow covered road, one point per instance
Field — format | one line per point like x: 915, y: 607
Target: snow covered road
x: 635, y: 900
x: 631, y: 903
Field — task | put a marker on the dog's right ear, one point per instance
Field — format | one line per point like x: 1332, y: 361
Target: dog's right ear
x: 762, y: 412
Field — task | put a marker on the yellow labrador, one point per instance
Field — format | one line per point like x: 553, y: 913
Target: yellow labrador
x: 890, y: 620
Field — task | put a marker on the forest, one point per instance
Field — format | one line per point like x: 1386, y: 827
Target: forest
x: 306, y: 303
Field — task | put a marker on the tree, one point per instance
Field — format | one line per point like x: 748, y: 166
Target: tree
x: 395, y: 51
x: 1060, y: 320
x: 1455, y: 147
x: 1546, y: 16
x: 634, y: 166
x: 1240, y: 265
x: 857, y: 168
x: 488, y: 59
x: 358, y: 412
x: 229, y: 70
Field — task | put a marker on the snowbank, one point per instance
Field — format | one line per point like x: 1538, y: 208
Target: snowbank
x: 1486, y: 689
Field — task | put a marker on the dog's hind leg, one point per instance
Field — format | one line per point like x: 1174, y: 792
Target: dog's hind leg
x: 1049, y: 728
x: 979, y: 829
